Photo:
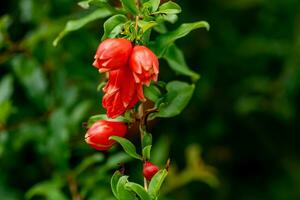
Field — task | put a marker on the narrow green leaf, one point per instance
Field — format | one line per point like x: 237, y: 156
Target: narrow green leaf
x: 156, y: 182
x: 139, y: 190
x: 130, y: 5
x: 147, y: 152
x: 87, y: 162
x: 153, y: 4
x: 175, y: 58
x: 169, y: 8
x: 163, y: 42
x: 79, y: 23
x: 122, y: 191
x: 113, y: 26
x: 87, y: 3
x: 95, y: 118
x: 114, y: 181
x: 177, y: 97
x: 128, y: 147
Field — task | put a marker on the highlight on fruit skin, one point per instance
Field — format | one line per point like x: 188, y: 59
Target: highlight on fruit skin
x: 98, y: 134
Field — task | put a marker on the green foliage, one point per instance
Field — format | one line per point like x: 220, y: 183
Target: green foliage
x: 175, y: 58
x: 156, y: 183
x: 244, y: 112
x: 128, y: 147
x: 79, y: 23
x: 130, y: 6
x: 139, y: 190
x: 163, y: 41
x: 177, y: 97
x: 169, y: 8
x: 113, y: 26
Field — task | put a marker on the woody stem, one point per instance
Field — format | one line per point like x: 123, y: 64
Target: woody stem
x: 142, y: 129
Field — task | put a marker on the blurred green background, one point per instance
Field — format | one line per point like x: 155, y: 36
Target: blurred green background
x: 238, y: 138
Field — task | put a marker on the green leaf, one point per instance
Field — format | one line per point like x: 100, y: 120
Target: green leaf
x: 113, y: 160
x: 128, y: 147
x: 6, y: 88
x: 6, y: 109
x: 146, y: 25
x: 130, y: 6
x: 152, y: 93
x: 147, y: 152
x: 74, y: 25
x: 49, y: 189
x: 30, y: 74
x: 113, y: 26
x: 169, y: 8
x: 156, y: 182
x: 123, y: 193
x: 175, y: 58
x: 147, y: 139
x: 114, y: 181
x: 177, y: 97
x: 87, y: 162
x: 139, y: 190
x: 163, y: 41
x: 160, y: 150
x: 87, y: 3
x: 95, y: 118
x: 153, y: 4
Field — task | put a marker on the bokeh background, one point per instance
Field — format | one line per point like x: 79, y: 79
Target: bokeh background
x: 237, y: 139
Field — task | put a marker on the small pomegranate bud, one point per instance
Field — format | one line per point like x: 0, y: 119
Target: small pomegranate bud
x: 149, y: 170
x: 144, y: 64
x: 98, y: 135
x: 112, y: 54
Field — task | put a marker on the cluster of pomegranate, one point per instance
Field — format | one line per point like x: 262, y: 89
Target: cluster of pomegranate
x: 129, y: 68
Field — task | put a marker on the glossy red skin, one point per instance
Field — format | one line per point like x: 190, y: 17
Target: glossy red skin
x: 149, y: 170
x: 112, y: 54
x: 121, y: 92
x: 98, y: 135
x: 144, y: 64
